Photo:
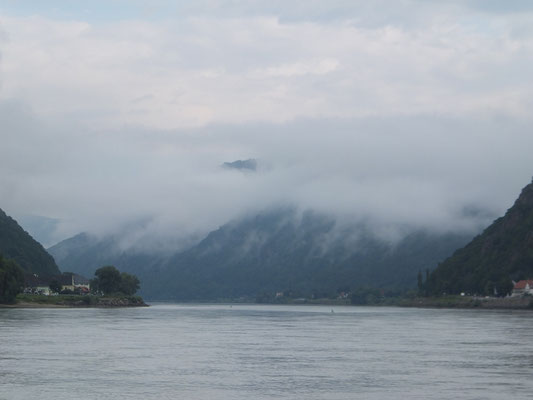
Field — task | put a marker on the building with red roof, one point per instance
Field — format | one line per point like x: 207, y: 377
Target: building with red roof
x: 523, y: 287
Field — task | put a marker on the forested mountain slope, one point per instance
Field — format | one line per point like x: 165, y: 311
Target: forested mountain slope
x: 277, y: 250
x: 18, y: 245
x: 489, y: 263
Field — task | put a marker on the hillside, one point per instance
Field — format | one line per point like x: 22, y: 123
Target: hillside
x: 18, y: 245
x: 84, y: 254
x: 489, y: 263
x: 307, y: 256
x: 273, y: 251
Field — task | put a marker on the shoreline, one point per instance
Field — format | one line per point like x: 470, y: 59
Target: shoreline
x: 444, y: 302
x: 75, y: 301
x: 33, y: 305
x: 448, y: 302
x: 470, y: 302
x: 44, y: 305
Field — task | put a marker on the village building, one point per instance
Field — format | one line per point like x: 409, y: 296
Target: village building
x: 35, y: 284
x: 73, y: 282
x: 522, y: 288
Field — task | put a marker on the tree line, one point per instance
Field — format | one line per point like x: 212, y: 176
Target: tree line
x: 107, y: 281
x: 11, y: 280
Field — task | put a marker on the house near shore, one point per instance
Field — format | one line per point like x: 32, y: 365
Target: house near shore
x: 33, y: 283
x: 522, y: 288
x: 73, y: 282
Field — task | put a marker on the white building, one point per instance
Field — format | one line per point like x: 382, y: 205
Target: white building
x: 522, y: 288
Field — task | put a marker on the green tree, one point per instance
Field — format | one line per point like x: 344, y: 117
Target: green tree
x: 11, y: 280
x: 504, y: 286
x: 129, y: 284
x: 108, y: 279
x: 93, y: 284
x: 55, y: 286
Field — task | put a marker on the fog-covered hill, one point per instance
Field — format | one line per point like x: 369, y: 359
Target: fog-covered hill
x: 277, y: 250
x: 489, y: 263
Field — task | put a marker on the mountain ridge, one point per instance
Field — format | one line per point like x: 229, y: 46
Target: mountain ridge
x: 275, y: 250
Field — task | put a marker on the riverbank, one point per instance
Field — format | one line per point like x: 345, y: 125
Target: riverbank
x: 452, y: 301
x: 468, y: 302
x: 75, y: 301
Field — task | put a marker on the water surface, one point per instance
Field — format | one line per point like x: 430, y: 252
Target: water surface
x: 265, y: 352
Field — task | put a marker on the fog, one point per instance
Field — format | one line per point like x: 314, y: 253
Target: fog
x: 416, y: 119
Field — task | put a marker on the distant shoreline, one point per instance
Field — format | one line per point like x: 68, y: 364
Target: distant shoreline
x: 34, y: 305
x: 469, y: 302
x: 447, y: 302
x: 75, y: 301
x: 43, y: 305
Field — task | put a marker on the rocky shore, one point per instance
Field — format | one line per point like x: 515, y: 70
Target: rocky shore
x: 121, y: 302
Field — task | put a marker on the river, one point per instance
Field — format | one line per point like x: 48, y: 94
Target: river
x: 173, y: 351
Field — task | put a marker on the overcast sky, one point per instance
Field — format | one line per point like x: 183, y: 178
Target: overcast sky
x: 399, y: 112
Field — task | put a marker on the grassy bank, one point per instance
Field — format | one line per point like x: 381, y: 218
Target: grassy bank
x: 35, y: 300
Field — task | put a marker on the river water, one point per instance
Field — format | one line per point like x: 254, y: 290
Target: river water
x: 171, y: 351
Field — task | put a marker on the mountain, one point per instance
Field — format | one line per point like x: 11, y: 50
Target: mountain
x: 489, y: 263
x: 243, y: 165
x: 18, y: 245
x: 277, y: 250
x: 306, y: 255
x: 84, y: 254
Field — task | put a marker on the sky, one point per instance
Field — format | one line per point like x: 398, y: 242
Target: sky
x: 402, y: 113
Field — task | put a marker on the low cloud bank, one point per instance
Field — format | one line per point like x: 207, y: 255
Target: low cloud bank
x: 433, y: 173
x: 398, y: 117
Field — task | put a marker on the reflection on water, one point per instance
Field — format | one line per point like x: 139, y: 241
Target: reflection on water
x: 265, y: 352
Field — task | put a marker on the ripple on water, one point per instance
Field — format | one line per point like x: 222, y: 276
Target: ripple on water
x: 261, y: 352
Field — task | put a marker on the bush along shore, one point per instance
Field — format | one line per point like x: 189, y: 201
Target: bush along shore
x: 71, y: 301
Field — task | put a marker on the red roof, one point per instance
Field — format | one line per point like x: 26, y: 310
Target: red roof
x: 522, y: 284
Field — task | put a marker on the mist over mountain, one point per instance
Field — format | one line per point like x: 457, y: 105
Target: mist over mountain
x: 42, y: 229
x: 18, y: 245
x: 385, y: 121
x: 277, y: 250
x: 305, y: 254
x: 489, y: 263
x: 85, y: 253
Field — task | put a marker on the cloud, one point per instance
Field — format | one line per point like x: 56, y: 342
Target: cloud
x: 495, y: 6
x: 321, y: 67
x: 408, y: 171
x: 398, y: 116
x: 206, y: 70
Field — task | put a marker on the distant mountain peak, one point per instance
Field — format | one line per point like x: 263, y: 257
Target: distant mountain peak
x: 246, y: 165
